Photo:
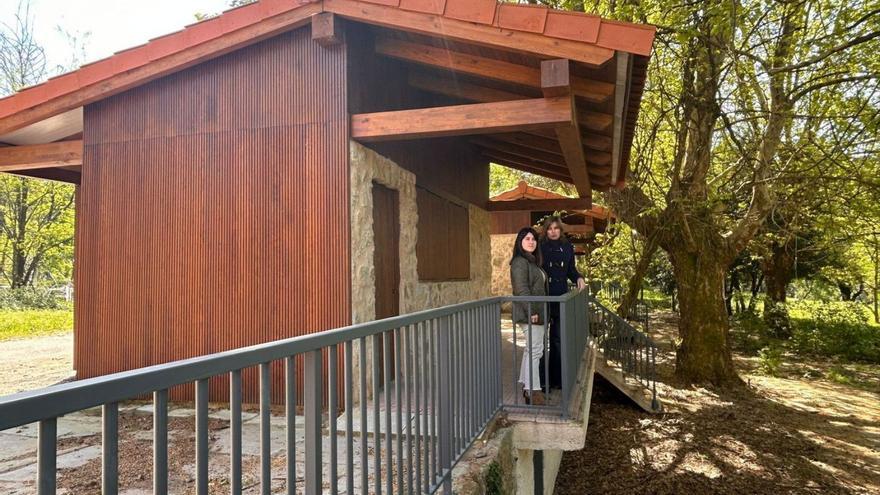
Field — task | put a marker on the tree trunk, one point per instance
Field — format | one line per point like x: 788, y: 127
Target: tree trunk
x: 635, y: 282
x: 778, y: 270
x: 876, y: 277
x: 19, y: 256
x: 704, y: 353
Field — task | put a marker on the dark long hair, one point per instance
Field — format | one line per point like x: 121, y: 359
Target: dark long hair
x: 517, y: 246
x: 546, y: 226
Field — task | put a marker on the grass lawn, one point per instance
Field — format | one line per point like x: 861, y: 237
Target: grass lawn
x: 18, y: 324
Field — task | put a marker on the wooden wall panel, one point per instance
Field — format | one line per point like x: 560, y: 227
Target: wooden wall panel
x: 214, y: 211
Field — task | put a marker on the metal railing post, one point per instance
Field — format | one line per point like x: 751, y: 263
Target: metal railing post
x: 235, y: 432
x: 312, y: 404
x: 110, y: 449
x: 563, y: 354
x: 202, y: 436
x: 444, y: 428
x: 46, y: 456
x: 160, y: 442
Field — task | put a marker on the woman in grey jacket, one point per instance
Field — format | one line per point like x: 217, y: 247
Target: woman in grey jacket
x: 528, y: 279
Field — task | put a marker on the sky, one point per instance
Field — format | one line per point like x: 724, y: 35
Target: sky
x: 113, y: 24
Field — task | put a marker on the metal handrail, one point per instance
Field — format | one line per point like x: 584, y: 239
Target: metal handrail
x: 445, y: 361
x: 633, y: 350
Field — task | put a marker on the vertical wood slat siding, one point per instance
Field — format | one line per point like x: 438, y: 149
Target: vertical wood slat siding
x: 214, y: 211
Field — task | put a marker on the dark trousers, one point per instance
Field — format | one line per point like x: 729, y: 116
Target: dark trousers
x: 555, y: 354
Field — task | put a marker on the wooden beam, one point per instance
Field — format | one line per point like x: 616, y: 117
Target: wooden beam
x: 326, y: 30
x: 567, y: 204
x: 459, y: 120
x: 139, y: 75
x: 468, y: 32
x: 556, y: 80
x: 36, y: 156
x: 489, y: 68
x: 547, y: 142
x: 540, y: 168
x: 447, y: 86
x: 621, y: 99
x: 56, y: 174
x: 514, y: 149
x: 524, y: 165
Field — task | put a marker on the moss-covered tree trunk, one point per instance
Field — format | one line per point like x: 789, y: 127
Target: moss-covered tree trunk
x: 704, y: 353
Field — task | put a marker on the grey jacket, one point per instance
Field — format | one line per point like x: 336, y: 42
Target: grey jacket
x: 527, y: 279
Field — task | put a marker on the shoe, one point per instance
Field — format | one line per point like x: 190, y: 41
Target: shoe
x: 526, y: 397
x: 537, y: 398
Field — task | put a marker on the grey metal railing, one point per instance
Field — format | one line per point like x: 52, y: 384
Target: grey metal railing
x: 573, y: 326
x: 634, y: 351
x: 439, y: 366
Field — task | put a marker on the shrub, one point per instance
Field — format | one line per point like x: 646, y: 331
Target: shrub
x: 770, y: 359
x: 749, y: 332
x: 835, y: 329
x: 30, y: 298
x: 494, y: 482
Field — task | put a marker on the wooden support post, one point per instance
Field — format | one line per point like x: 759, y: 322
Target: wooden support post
x: 459, y: 120
x: 326, y: 30
x: 556, y: 80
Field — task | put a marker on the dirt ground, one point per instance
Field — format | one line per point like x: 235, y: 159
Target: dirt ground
x: 35, y: 363
x: 797, y: 433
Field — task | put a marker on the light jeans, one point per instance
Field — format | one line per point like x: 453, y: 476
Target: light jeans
x: 533, y: 357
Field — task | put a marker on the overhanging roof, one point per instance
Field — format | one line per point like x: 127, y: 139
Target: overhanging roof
x: 51, y: 111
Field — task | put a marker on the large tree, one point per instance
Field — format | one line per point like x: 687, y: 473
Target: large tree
x: 731, y: 85
x: 36, y: 216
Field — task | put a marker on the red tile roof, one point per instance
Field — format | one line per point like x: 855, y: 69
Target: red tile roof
x: 483, y: 14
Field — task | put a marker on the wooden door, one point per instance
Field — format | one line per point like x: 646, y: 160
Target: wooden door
x: 386, y: 260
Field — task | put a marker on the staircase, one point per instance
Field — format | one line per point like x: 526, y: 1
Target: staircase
x: 626, y: 356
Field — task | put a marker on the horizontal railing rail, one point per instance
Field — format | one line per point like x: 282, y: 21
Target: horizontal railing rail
x: 634, y: 351
x: 439, y: 366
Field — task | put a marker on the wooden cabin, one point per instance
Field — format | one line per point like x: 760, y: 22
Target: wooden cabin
x: 293, y: 166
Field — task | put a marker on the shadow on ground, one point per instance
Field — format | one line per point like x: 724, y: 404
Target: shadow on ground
x: 772, y: 435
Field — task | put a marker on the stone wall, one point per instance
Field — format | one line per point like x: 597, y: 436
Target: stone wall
x: 502, y: 249
x: 368, y: 166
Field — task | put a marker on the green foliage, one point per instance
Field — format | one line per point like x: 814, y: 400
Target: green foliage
x: 838, y: 328
x: 31, y: 298
x: 494, y: 481
x: 748, y: 332
x: 770, y: 359
x: 15, y: 324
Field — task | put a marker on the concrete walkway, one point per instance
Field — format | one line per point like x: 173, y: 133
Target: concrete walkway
x: 79, y: 453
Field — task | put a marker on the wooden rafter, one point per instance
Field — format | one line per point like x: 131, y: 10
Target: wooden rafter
x: 499, y: 70
x: 36, y: 156
x: 567, y: 204
x: 526, y: 165
x: 460, y: 120
x: 556, y: 81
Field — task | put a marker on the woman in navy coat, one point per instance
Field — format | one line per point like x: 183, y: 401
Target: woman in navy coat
x: 558, y: 261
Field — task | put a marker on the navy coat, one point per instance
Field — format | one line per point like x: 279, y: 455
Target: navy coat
x: 559, y: 265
